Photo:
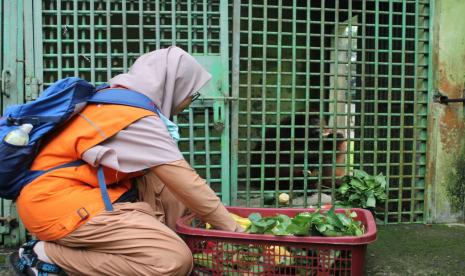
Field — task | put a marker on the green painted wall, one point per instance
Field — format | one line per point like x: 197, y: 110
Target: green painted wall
x: 446, y: 160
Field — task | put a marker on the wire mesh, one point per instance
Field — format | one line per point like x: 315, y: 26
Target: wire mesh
x: 330, y: 86
x: 97, y: 39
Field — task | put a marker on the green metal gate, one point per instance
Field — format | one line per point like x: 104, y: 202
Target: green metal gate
x: 355, y: 67
x: 97, y: 39
x: 362, y: 67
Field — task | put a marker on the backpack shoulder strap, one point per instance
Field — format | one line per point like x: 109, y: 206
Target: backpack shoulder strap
x: 124, y: 97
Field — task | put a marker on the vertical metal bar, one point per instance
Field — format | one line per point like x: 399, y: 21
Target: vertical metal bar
x: 28, y: 47
x: 322, y: 97
x: 20, y: 52
x: 59, y: 45
x: 76, y: 38
x: 207, y: 147
x: 389, y: 110
x: 173, y: 22
x: 99, y: 60
x: 376, y: 96
x: 349, y: 152
x: 141, y: 27
x: 415, y: 114
x: 191, y: 137
x: 264, y: 98
x: 38, y: 45
x: 92, y: 41
x: 307, y: 101
x: 294, y: 56
x: 108, y: 35
x: 278, y: 99
x: 205, y: 26
x: 125, y: 37
x: 235, y: 59
x: 425, y: 181
x: 430, y: 80
x: 83, y: 66
x: 402, y: 114
x: 335, y: 99
x: 19, y: 234
x: 157, y: 24
x: 249, y: 100
x: 225, y: 142
x: 189, y: 26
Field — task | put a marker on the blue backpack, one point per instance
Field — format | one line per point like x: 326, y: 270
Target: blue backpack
x: 56, y: 105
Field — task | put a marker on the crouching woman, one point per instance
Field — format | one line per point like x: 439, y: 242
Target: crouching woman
x: 150, y: 185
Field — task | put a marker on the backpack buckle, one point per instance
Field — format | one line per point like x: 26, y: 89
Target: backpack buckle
x: 10, y: 121
x: 83, y: 213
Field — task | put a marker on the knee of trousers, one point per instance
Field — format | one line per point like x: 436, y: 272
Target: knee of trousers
x: 178, y: 261
x: 184, y: 260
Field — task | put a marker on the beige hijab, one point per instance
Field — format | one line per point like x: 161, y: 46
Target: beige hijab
x: 167, y: 76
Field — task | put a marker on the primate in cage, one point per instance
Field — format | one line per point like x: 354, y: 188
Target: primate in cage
x: 303, y: 147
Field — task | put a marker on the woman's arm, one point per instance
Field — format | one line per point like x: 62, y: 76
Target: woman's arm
x: 192, y: 190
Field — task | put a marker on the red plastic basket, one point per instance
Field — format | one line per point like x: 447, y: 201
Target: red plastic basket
x: 229, y: 253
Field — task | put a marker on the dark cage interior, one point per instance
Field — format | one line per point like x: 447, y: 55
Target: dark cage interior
x: 330, y: 86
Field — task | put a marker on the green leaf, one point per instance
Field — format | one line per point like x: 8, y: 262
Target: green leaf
x: 358, y: 184
x: 371, y: 201
x: 255, y: 217
x: 370, y: 183
x: 381, y: 180
x: 298, y: 230
x: 360, y: 173
x: 353, y: 197
x: 344, y: 219
x: 280, y: 228
x: 344, y: 188
x: 322, y: 228
x: 333, y: 219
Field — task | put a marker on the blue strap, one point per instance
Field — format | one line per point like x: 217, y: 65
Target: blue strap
x: 34, y: 174
x: 124, y: 97
x: 76, y: 163
x: 33, y: 120
x: 103, y: 189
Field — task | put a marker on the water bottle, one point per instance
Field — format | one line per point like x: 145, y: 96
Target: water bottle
x: 19, y: 136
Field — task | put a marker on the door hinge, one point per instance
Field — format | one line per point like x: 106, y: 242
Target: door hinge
x: 32, y: 88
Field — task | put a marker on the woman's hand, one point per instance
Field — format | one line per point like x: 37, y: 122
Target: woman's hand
x: 239, y: 229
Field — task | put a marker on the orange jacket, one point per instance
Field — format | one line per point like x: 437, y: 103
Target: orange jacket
x: 58, y: 202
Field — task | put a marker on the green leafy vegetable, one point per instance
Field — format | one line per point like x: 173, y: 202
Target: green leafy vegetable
x: 361, y: 190
x: 329, y: 223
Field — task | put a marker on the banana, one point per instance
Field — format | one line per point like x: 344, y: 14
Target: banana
x: 243, y: 222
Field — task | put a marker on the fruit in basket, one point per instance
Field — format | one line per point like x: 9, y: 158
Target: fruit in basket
x: 283, y: 198
x: 281, y: 255
x: 243, y: 222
